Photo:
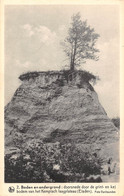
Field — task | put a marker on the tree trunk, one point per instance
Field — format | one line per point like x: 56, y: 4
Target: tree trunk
x: 71, y: 63
x: 72, y: 66
x: 73, y: 56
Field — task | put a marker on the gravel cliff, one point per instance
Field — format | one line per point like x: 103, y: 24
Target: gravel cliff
x: 56, y: 106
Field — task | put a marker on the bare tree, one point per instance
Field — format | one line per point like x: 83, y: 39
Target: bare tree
x: 79, y: 45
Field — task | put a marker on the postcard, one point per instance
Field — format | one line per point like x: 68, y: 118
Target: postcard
x: 62, y: 98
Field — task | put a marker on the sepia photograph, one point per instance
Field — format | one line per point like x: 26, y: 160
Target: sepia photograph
x: 61, y: 93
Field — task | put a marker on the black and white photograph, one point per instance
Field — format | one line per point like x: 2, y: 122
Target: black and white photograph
x: 62, y: 93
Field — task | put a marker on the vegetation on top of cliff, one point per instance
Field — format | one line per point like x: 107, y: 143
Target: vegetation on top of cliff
x: 34, y: 74
x: 80, y: 43
x: 85, y: 75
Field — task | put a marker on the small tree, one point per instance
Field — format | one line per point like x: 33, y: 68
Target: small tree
x: 79, y: 45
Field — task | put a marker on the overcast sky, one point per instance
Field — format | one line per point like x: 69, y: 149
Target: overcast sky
x: 32, y: 43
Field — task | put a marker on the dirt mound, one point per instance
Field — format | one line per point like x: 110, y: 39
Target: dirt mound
x: 59, y: 106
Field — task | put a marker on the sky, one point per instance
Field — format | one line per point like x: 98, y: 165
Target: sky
x: 33, y: 34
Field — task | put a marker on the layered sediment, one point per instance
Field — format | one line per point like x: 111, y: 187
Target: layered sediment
x: 59, y: 107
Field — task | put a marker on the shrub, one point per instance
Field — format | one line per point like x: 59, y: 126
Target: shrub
x: 86, y: 76
x: 116, y: 122
x: 57, y: 162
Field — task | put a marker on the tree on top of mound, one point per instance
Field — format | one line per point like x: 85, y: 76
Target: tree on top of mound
x: 79, y: 44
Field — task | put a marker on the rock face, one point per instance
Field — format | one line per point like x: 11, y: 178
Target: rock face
x: 59, y: 106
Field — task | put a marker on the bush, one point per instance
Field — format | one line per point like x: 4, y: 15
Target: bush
x: 86, y: 76
x: 116, y: 122
x: 57, y: 162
